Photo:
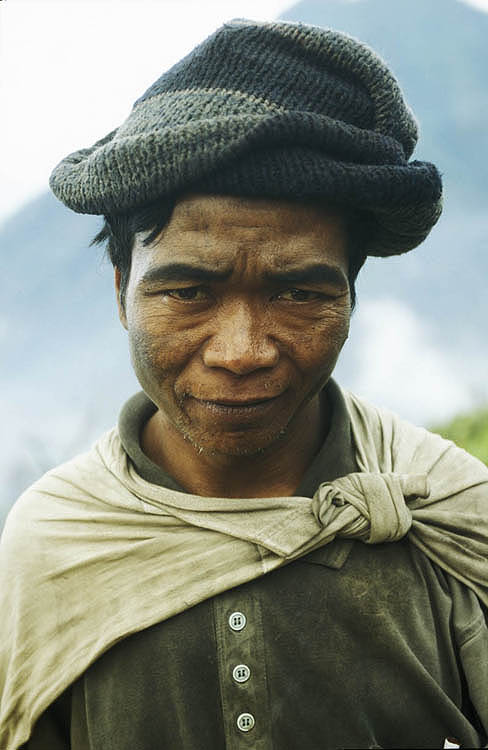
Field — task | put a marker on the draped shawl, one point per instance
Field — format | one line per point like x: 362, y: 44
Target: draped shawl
x: 92, y: 552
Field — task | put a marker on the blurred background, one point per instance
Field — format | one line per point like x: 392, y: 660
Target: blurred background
x: 69, y: 73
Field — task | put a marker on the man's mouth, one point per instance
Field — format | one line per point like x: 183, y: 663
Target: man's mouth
x: 239, y: 402
x: 248, y: 407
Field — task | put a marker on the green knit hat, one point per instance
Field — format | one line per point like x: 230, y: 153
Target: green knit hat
x: 278, y: 110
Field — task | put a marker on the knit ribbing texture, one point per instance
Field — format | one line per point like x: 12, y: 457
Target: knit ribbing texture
x: 269, y: 109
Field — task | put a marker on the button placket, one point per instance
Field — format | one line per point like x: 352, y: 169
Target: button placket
x: 242, y: 670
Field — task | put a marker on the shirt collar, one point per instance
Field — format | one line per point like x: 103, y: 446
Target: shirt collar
x: 334, y: 459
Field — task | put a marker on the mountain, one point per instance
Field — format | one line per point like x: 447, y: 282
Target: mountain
x: 418, y: 337
x: 65, y: 368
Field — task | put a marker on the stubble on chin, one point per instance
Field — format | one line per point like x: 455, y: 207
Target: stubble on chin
x: 207, y: 442
x: 234, y: 449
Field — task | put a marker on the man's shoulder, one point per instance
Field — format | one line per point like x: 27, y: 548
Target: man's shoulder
x: 57, y: 493
x: 395, y: 440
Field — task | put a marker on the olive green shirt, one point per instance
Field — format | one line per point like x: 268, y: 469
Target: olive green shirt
x: 352, y: 646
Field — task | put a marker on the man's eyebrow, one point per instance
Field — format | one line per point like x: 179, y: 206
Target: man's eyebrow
x: 183, y: 272
x: 314, y: 273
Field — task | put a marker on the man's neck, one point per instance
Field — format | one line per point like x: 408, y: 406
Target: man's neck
x: 277, y: 471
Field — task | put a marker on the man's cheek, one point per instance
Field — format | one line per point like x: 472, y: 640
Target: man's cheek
x: 148, y: 354
x: 159, y: 354
x: 325, y: 339
x: 336, y: 330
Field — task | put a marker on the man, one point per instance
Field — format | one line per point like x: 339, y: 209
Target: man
x: 254, y: 557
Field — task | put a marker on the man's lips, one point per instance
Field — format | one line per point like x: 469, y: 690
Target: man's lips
x: 234, y: 408
x: 238, y: 403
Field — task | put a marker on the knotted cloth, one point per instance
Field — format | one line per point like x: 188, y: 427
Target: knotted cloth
x: 369, y: 507
x: 92, y: 553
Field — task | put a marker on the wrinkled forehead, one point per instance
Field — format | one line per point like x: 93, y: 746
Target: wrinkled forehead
x: 282, y: 215
x: 223, y: 229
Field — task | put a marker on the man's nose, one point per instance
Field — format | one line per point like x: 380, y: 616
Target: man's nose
x: 241, y: 342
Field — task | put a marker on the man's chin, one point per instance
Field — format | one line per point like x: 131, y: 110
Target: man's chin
x: 235, y: 445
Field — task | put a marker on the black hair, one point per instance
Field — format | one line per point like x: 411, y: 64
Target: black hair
x: 118, y: 232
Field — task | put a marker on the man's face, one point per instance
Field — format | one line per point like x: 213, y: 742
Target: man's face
x: 236, y: 315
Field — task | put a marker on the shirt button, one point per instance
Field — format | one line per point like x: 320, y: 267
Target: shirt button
x: 237, y: 621
x: 245, y: 722
x: 241, y: 673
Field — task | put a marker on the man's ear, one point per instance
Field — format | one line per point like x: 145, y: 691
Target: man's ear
x: 120, y: 304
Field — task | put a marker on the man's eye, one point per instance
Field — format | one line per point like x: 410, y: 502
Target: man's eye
x: 187, y: 293
x: 298, y: 295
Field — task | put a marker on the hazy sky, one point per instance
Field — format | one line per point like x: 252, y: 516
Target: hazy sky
x: 70, y: 72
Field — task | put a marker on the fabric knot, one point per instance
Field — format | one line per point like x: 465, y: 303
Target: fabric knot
x: 367, y: 506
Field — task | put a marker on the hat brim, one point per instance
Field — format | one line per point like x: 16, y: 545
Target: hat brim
x: 280, y: 155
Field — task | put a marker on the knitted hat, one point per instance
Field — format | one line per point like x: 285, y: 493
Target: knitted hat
x: 273, y: 109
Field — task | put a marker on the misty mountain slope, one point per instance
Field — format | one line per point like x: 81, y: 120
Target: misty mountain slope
x: 58, y: 304
x: 64, y: 366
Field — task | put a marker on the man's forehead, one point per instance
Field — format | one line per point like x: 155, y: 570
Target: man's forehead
x: 202, y: 211
x: 220, y: 235
x: 225, y: 232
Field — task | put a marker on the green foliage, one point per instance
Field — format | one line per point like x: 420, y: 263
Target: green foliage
x: 469, y: 431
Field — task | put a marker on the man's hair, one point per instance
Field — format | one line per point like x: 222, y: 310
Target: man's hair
x: 118, y: 233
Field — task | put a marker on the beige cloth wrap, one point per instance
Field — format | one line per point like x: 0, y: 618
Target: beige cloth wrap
x: 92, y: 552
